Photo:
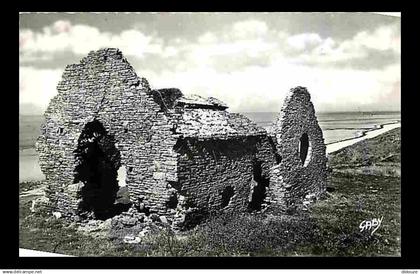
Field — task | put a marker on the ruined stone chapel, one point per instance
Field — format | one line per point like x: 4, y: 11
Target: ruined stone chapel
x: 182, y: 156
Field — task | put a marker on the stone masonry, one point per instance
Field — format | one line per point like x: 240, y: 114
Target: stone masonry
x: 301, y: 174
x: 184, y: 156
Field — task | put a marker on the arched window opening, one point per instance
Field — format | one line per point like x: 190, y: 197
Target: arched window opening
x: 305, y: 149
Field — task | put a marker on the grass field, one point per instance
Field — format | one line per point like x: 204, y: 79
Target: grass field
x: 364, y: 183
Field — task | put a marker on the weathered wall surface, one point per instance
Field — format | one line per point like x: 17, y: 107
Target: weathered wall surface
x: 182, y: 154
x: 295, y: 178
x: 104, y: 87
x: 268, y: 157
x: 207, y: 168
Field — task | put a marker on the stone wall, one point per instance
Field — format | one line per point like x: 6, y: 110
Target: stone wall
x: 297, y: 177
x: 183, y: 155
x: 208, y: 168
x: 105, y: 88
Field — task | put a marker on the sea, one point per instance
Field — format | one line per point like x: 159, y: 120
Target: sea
x: 336, y: 127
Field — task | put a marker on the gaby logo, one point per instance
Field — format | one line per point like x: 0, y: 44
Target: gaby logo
x: 374, y: 224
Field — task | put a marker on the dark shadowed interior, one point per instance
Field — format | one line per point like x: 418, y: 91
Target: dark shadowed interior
x: 259, y: 191
x: 98, y: 162
x: 303, y: 147
x: 227, y: 193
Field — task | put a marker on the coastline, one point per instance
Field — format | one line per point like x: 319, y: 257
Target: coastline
x: 368, y: 134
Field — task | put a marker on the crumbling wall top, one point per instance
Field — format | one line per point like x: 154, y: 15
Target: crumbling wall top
x: 206, y: 123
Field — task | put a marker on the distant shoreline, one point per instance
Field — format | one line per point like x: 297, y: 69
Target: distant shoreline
x: 364, y: 132
x: 382, y: 128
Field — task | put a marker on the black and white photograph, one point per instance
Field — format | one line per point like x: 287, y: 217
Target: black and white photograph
x: 209, y: 134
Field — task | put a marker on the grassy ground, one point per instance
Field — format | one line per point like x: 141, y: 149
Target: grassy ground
x: 360, y: 187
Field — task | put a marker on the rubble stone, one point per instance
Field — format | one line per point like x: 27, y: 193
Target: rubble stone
x: 184, y: 156
x: 298, y: 176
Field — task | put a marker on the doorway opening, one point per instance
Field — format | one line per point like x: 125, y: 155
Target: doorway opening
x: 98, y: 161
x: 259, y: 191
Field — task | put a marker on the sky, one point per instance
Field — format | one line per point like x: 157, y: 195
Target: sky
x: 347, y: 61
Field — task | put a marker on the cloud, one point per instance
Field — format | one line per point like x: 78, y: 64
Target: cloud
x: 249, y: 29
x: 247, y: 64
x: 203, y: 55
x: 243, y: 43
x: 38, y: 86
x: 304, y: 41
x: 245, y: 72
x: 208, y: 38
x: 365, y: 49
x: 79, y: 39
x: 246, y: 40
x: 264, y: 89
x: 383, y: 38
x: 61, y: 26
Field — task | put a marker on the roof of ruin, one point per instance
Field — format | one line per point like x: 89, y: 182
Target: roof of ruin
x: 204, y: 118
x: 196, y: 101
x: 172, y: 97
x: 209, y: 124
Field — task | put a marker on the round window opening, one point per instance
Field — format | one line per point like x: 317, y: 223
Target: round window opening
x: 305, y: 149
